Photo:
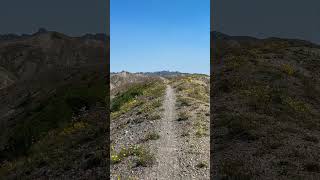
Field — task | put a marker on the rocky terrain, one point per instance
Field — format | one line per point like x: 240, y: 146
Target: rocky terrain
x: 53, y: 106
x: 160, y: 127
x: 265, y: 108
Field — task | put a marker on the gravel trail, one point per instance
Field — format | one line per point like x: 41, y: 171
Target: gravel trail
x: 167, y: 165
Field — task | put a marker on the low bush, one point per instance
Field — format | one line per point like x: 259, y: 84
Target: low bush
x: 130, y: 94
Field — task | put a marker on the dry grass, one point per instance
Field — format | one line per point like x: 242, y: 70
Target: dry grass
x: 183, y: 116
x: 143, y: 155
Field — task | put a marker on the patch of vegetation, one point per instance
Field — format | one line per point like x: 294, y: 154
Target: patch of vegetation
x: 191, y: 86
x: 138, y: 120
x: 288, y: 69
x: 56, y: 151
x: 144, y: 156
x: 128, y: 95
x: 227, y: 85
x: 126, y: 107
x: 156, y: 103
x: 234, y: 62
x: 119, y: 177
x: 183, y: 101
x: 154, y: 116
x: 117, y: 157
x: 198, y: 92
x: 150, y: 106
x: 157, y: 90
x: 53, y: 113
x: 296, y: 105
x: 201, y: 129
x: 151, y: 136
x: 201, y: 165
x: 150, y: 98
x: 241, y: 126
x: 75, y: 127
x: 258, y: 96
x: 148, y: 95
x: 183, y: 116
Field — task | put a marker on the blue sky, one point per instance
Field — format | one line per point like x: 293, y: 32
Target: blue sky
x: 155, y: 35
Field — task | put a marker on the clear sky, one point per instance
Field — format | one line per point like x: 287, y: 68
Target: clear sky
x: 155, y: 35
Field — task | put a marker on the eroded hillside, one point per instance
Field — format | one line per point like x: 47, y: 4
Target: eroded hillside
x: 265, y: 108
x: 53, y: 107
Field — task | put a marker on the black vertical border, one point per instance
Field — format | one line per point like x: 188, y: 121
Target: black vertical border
x: 211, y: 92
x: 107, y: 70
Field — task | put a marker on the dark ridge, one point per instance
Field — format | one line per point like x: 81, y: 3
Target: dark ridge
x: 99, y: 36
x: 11, y: 36
x: 162, y: 73
x: 216, y: 35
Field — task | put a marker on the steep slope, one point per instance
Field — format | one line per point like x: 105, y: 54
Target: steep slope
x: 265, y: 108
x: 6, y: 78
x: 53, y: 111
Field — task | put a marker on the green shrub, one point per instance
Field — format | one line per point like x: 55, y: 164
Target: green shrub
x: 152, y: 136
x: 201, y: 165
x: 183, y: 101
x: 258, y: 96
x: 200, y: 131
x: 128, y: 95
x: 296, y: 105
x: 144, y: 156
x: 183, y: 116
x: 234, y: 63
x: 52, y: 113
x: 288, y: 69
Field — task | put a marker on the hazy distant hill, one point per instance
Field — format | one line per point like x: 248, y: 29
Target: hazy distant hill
x: 124, y: 78
x: 165, y: 73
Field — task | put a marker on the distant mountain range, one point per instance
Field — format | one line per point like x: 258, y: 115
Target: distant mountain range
x: 216, y: 35
x: 158, y: 73
x: 9, y: 37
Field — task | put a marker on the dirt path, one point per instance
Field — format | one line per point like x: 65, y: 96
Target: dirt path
x: 167, y: 166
